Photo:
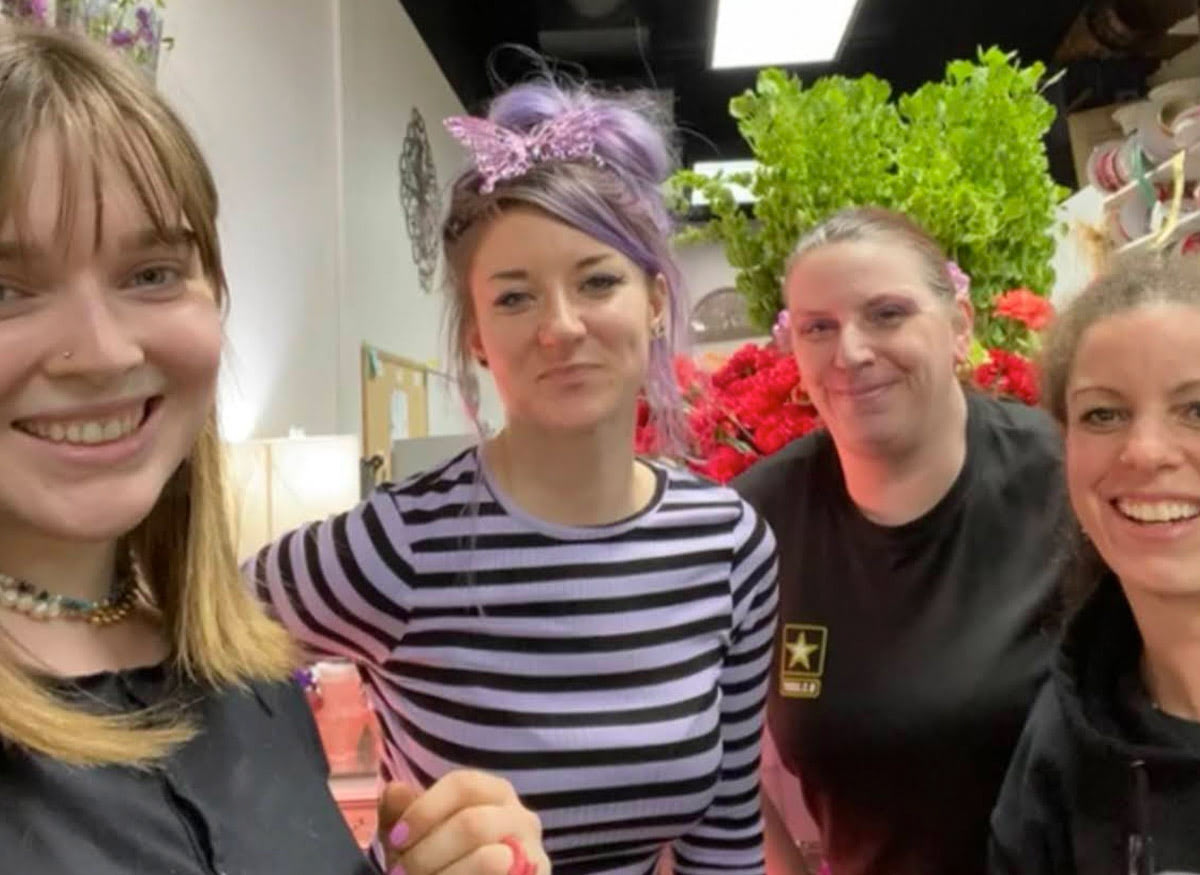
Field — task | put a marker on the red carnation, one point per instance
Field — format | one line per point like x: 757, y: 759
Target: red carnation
x: 1007, y: 373
x: 725, y: 463
x: 645, y: 435
x: 753, y: 405
x: 747, y: 361
x: 1029, y: 308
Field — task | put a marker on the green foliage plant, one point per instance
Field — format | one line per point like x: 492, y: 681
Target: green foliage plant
x: 964, y: 157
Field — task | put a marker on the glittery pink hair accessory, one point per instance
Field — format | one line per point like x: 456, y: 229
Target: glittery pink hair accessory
x: 501, y: 153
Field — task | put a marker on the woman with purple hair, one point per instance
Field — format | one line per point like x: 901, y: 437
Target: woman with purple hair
x: 592, y: 627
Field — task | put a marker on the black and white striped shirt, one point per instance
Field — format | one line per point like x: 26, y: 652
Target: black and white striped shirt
x: 615, y: 675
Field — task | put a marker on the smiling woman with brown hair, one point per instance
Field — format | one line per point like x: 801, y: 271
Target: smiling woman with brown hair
x: 1107, y: 776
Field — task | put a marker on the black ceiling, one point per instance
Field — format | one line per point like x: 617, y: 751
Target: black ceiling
x: 666, y: 44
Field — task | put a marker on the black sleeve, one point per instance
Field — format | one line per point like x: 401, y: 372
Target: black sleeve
x: 1030, y: 823
x: 290, y: 700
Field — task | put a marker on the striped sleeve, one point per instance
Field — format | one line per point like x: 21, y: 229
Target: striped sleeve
x: 729, y: 838
x: 340, y: 586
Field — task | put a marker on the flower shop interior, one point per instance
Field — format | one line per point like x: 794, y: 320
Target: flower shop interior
x: 1032, y: 139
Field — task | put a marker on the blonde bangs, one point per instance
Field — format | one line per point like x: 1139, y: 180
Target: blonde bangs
x: 105, y: 116
x: 99, y: 118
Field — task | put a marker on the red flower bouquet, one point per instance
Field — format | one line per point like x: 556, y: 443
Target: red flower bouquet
x: 750, y: 407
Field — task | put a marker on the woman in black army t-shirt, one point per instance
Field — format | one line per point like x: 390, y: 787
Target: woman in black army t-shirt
x: 919, y: 558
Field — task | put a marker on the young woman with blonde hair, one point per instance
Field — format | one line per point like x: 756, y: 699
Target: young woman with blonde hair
x: 147, y: 720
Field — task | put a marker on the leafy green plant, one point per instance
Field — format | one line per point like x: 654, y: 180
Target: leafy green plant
x: 964, y: 157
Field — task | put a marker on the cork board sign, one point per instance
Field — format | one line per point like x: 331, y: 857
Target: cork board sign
x: 395, y: 404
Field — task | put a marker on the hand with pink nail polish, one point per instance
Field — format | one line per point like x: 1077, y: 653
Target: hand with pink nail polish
x: 468, y: 823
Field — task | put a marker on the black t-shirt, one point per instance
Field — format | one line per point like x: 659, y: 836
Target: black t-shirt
x: 248, y: 796
x: 909, y: 655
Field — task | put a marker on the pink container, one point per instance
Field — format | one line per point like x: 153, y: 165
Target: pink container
x: 345, y: 720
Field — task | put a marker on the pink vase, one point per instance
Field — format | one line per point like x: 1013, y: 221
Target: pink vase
x: 343, y: 717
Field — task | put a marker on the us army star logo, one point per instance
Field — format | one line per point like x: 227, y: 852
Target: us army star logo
x: 802, y: 660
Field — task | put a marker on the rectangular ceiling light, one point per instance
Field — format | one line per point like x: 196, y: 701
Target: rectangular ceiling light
x: 758, y: 33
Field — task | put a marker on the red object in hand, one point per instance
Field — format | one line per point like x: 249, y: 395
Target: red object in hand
x: 521, y: 864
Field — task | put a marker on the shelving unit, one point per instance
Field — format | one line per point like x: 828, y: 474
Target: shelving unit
x: 1157, y: 174
x: 1187, y: 223
x: 1163, y: 172
x: 1086, y: 216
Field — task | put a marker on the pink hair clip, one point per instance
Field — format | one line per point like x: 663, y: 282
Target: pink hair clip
x: 501, y: 153
x: 962, y: 282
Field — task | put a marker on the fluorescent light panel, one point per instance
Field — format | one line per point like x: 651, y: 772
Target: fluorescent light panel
x: 757, y: 33
x: 712, y: 168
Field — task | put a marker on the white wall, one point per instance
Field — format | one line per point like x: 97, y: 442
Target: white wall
x: 256, y: 81
x: 386, y: 71
x: 704, y: 268
x: 1073, y: 260
x: 301, y: 107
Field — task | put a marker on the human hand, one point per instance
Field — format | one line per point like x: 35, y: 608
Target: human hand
x: 468, y: 823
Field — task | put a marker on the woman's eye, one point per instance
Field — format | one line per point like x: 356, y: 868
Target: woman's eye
x: 1101, y: 417
x: 11, y: 296
x: 816, y: 328
x: 1191, y: 412
x: 887, y: 315
x: 155, y: 277
x: 508, y: 300
x: 601, y: 282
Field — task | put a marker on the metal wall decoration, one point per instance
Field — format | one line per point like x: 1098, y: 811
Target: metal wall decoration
x: 721, y: 315
x: 420, y: 198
